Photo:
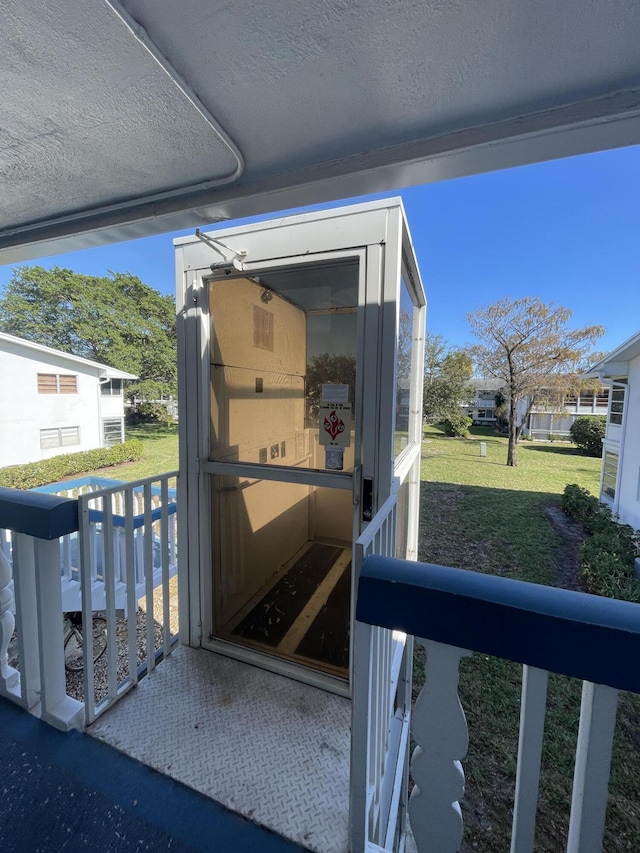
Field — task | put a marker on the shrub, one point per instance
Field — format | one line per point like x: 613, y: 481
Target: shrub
x: 149, y: 412
x: 457, y: 425
x: 587, y: 433
x: 579, y: 503
x: 607, y: 555
x: 35, y: 474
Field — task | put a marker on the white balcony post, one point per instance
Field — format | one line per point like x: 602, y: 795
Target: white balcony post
x: 24, y: 580
x: 439, y: 728
x: 9, y: 677
x: 593, y: 765
x: 58, y: 709
x: 532, y: 714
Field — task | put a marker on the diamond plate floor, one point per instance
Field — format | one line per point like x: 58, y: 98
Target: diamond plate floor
x: 270, y: 748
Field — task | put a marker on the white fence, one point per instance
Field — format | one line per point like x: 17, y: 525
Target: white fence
x: 118, y: 558
x: 381, y: 712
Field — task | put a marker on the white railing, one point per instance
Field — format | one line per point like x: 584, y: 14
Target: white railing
x: 381, y: 712
x: 127, y: 538
x: 456, y: 613
x: 112, y: 552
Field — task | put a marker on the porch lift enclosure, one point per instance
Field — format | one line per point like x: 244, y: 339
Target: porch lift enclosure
x: 301, y: 351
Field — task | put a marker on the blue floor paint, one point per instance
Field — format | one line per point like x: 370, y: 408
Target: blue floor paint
x: 70, y: 792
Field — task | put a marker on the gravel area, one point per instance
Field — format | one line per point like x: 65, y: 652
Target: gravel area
x: 75, y: 680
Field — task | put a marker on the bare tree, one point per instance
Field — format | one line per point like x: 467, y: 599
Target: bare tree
x: 525, y: 343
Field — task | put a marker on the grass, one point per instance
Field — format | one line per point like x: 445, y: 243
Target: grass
x: 477, y: 513
x: 160, y: 453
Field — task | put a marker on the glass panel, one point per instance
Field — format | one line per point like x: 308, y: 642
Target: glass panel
x: 69, y: 436
x: 49, y: 438
x: 403, y: 369
x: 617, y: 405
x: 112, y: 432
x: 610, y: 474
x: 283, y: 569
x: 111, y: 388
x: 283, y: 367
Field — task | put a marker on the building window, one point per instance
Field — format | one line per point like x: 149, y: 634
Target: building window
x: 111, y: 388
x: 112, y: 431
x: 616, y: 412
x: 610, y: 474
x: 55, y: 383
x: 262, y: 328
x: 59, y: 437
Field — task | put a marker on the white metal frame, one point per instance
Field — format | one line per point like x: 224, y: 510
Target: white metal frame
x: 375, y: 234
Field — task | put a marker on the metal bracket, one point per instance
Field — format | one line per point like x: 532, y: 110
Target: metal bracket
x: 236, y: 257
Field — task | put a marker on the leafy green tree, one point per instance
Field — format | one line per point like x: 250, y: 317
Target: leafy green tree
x: 325, y: 368
x: 115, y: 319
x: 587, y: 433
x: 526, y: 344
x: 446, y: 378
x: 457, y: 424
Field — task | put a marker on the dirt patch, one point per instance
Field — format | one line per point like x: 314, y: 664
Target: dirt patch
x: 567, y: 558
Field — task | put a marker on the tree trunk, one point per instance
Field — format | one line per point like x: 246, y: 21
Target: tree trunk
x: 513, y: 419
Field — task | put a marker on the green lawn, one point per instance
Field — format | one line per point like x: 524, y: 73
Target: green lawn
x: 160, y: 453
x: 477, y: 513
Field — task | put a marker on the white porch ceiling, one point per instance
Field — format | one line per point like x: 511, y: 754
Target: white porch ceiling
x: 121, y: 118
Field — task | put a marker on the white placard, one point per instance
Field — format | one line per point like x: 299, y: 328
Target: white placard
x: 334, y: 458
x: 333, y: 392
x: 335, y: 424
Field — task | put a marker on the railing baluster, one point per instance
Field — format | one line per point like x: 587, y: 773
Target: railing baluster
x: 532, y: 714
x: 593, y: 764
x: 88, y: 558
x: 439, y: 728
x: 148, y: 576
x: 9, y: 677
x: 132, y: 600
x: 108, y: 573
x: 164, y: 554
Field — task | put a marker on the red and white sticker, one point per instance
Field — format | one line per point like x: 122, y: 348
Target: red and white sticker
x: 335, y: 424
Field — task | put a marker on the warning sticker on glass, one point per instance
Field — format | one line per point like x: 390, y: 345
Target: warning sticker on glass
x: 335, y: 424
x: 334, y: 392
x: 334, y: 458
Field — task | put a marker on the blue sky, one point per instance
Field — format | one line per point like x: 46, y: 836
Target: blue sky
x: 566, y: 231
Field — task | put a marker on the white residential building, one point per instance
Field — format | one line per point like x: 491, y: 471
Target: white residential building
x: 620, y: 480
x: 545, y: 421
x: 481, y: 405
x: 55, y: 402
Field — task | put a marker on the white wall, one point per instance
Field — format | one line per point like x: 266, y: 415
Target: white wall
x: 25, y: 412
x: 629, y: 474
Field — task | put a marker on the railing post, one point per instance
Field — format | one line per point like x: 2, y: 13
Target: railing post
x: 24, y: 580
x: 533, y: 706
x: 361, y: 787
x: 9, y: 677
x: 439, y: 728
x: 593, y: 765
x: 58, y: 709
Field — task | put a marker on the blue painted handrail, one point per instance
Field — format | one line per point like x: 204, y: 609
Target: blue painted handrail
x: 584, y: 636
x: 96, y: 516
x: 36, y: 514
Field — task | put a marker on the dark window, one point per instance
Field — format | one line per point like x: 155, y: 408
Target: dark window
x: 111, y: 388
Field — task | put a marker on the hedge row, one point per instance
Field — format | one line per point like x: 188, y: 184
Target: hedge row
x: 608, y: 553
x: 47, y: 471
